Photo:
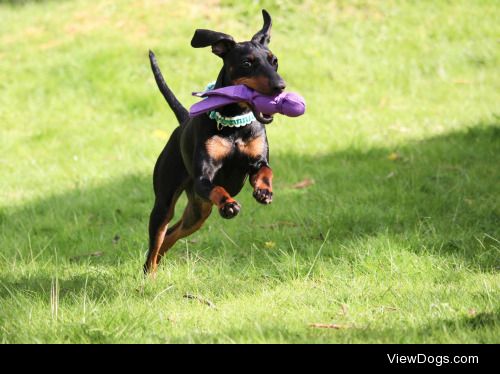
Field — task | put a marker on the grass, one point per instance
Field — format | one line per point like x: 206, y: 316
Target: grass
x: 397, y: 241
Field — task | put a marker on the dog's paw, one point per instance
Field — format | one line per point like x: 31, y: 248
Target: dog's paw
x: 229, y: 209
x: 263, y: 196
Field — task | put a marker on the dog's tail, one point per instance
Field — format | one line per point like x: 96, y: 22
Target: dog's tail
x: 180, y: 112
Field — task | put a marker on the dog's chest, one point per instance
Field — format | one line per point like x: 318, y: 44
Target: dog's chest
x: 253, y: 147
x: 219, y: 147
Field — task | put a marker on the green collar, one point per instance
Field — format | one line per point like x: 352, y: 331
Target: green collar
x: 236, y: 121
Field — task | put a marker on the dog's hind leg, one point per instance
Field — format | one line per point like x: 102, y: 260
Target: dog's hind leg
x: 195, y: 214
x: 169, y: 179
x: 162, y: 213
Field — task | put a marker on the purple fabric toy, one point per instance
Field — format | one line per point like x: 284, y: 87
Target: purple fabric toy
x: 287, y: 103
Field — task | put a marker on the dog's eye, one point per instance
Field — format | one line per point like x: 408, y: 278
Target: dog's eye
x: 274, y: 62
x: 247, y: 64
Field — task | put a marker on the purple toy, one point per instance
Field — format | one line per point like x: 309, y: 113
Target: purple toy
x: 287, y: 103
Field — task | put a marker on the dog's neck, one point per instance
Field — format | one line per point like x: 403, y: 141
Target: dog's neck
x: 231, y: 110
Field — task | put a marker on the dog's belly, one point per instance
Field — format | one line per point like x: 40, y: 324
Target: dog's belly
x: 232, y: 177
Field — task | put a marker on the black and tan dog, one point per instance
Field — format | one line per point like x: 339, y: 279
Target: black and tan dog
x: 208, y: 162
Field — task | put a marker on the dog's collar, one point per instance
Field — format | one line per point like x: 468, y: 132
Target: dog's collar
x: 236, y: 121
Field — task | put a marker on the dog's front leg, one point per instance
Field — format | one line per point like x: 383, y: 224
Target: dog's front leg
x: 261, y: 180
x: 206, y: 189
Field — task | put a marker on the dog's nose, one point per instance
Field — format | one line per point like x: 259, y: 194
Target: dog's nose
x: 279, y: 87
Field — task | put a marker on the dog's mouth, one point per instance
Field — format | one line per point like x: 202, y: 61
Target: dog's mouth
x: 262, y: 117
x: 259, y: 116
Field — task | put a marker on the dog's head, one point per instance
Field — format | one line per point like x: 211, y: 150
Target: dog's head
x: 250, y: 63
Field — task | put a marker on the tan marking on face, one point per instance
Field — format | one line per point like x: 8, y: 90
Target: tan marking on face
x: 244, y: 105
x: 218, y: 147
x: 253, y: 148
x: 260, y: 83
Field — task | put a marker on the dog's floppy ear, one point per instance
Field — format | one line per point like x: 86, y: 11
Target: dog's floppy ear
x: 221, y: 43
x: 264, y: 36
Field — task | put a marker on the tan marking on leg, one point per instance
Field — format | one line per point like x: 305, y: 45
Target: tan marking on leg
x: 193, y: 218
x: 263, y: 179
x: 159, y: 237
x: 152, y: 260
x: 219, y: 196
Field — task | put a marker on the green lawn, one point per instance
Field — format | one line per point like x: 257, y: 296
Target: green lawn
x: 397, y: 240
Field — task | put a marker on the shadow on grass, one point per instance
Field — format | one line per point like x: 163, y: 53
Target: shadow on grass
x: 477, y: 328
x: 473, y: 329
x: 440, y: 194
x: 91, y: 286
